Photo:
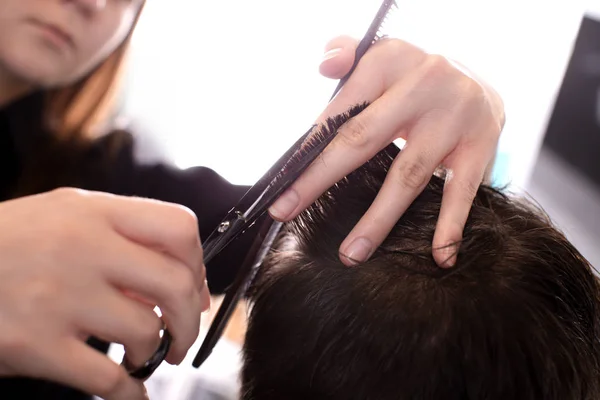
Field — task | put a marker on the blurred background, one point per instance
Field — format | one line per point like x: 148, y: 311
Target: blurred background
x: 231, y: 84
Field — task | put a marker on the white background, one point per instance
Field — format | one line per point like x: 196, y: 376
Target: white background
x: 230, y: 84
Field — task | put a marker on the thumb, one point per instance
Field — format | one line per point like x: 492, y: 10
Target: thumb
x: 339, y: 57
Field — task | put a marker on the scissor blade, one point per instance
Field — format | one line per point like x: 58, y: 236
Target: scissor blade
x: 232, y: 225
x: 261, y: 246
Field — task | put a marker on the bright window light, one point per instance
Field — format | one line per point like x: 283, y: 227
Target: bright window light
x: 231, y: 84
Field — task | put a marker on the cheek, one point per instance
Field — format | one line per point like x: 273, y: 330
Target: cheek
x: 101, y: 41
x: 28, y: 55
x: 25, y: 53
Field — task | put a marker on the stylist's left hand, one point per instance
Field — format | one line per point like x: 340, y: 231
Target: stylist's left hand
x: 446, y: 115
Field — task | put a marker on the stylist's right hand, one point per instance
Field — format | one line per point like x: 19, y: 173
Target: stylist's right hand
x: 67, y: 260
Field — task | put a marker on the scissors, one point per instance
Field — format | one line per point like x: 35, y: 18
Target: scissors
x: 252, y: 209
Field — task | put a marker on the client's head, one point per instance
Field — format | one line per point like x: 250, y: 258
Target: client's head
x: 517, y: 317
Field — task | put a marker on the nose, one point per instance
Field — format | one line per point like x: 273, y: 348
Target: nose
x: 91, y: 5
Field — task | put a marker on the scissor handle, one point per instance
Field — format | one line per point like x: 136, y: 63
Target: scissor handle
x: 145, y: 371
x: 260, y: 247
x: 252, y: 206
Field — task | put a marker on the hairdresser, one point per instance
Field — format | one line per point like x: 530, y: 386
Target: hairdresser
x: 93, y: 262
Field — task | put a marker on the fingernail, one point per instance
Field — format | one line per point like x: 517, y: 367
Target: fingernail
x: 447, y: 255
x: 359, y: 250
x: 285, y: 205
x: 331, y: 54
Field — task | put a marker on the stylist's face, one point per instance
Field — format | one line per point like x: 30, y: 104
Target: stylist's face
x: 54, y: 42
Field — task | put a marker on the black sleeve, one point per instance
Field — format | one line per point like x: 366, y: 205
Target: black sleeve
x: 202, y: 190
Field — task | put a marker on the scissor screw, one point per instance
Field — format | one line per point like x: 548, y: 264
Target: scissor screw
x: 223, y: 227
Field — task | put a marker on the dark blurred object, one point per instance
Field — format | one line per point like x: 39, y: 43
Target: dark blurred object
x: 574, y: 129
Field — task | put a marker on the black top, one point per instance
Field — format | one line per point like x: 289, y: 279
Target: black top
x: 108, y: 165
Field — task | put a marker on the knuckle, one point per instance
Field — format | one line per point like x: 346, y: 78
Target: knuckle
x: 67, y: 193
x: 355, y: 133
x: 65, y: 226
x: 440, y: 70
x: 471, y: 88
x: 396, y: 45
x: 473, y: 96
x: 399, y: 47
x: 388, y: 46
x: 392, y: 48
x: 413, y: 174
x: 438, y: 64
x: 184, y: 284
x: 187, y: 224
x: 440, y: 67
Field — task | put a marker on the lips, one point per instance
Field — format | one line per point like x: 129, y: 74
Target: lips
x: 56, y: 31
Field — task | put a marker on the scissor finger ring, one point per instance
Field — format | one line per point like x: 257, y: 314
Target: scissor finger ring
x: 146, y: 370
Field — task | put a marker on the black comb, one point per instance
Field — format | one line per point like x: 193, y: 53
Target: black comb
x: 254, y: 205
x: 374, y: 34
x: 257, y: 200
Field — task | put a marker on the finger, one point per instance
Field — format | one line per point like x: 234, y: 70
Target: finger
x: 77, y: 365
x: 366, y: 134
x: 205, y: 298
x: 376, y: 72
x: 165, y: 282
x: 409, y: 174
x: 165, y: 226
x: 339, y: 57
x: 357, y: 141
x: 462, y: 183
x: 116, y: 318
x: 341, y: 41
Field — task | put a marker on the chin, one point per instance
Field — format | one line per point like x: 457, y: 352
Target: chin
x: 41, y: 68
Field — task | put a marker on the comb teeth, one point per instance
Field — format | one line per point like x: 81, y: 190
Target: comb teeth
x: 374, y: 33
x: 380, y: 31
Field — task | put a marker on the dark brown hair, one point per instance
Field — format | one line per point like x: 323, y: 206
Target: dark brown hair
x: 516, y: 318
